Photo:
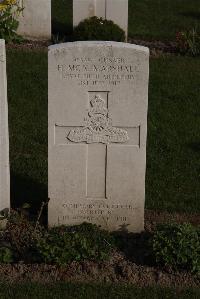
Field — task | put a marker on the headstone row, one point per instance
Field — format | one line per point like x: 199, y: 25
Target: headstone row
x: 35, y: 20
x: 115, y: 10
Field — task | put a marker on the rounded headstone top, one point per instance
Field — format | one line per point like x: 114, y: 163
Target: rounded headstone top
x: 79, y: 44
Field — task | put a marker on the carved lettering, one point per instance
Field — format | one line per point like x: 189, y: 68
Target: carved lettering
x: 90, y: 212
x: 99, y: 71
x: 97, y: 206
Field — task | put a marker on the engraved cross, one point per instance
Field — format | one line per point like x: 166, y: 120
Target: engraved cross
x: 98, y: 134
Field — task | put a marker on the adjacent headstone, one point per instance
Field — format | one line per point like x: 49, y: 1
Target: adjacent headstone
x: 35, y: 20
x: 4, y: 140
x: 98, y: 96
x: 115, y: 10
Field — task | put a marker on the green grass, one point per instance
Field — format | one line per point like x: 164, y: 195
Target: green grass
x: 27, y: 99
x: 91, y: 291
x: 161, y: 19
x: 148, y: 19
x: 62, y: 18
x: 173, y: 150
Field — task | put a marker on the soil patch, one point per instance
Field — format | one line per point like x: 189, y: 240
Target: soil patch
x: 29, y: 45
x: 132, y: 265
x: 153, y: 218
x: 118, y: 269
x: 156, y: 47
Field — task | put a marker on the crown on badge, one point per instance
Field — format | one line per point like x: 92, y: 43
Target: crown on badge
x: 98, y: 105
x: 97, y: 101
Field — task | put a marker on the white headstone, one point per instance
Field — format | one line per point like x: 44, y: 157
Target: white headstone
x: 98, y: 96
x: 4, y: 140
x: 115, y: 10
x: 35, y: 20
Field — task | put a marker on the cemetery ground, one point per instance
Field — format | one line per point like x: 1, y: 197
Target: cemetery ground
x: 95, y: 291
x: 173, y: 130
x: 172, y: 179
x: 154, y: 21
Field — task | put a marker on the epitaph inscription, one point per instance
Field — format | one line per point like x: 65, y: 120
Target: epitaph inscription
x: 97, y: 211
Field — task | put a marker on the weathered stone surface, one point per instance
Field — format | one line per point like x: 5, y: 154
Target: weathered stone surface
x: 115, y: 10
x: 83, y: 9
x: 35, y: 20
x: 4, y: 140
x: 98, y: 95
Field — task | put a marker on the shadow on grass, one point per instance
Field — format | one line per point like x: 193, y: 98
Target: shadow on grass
x: 62, y: 31
x: 191, y: 14
x: 195, y: 146
x: 62, y: 28
x: 136, y: 247
x: 26, y: 190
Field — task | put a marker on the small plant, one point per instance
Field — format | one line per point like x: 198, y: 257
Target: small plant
x: 3, y: 218
x: 62, y: 245
x: 177, y: 246
x: 188, y: 42
x: 9, y: 12
x: 4, y: 214
x: 57, y: 38
x: 23, y: 236
x: 6, y: 255
x: 96, y: 28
